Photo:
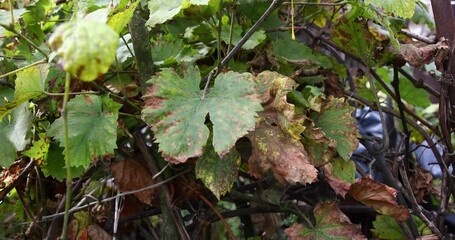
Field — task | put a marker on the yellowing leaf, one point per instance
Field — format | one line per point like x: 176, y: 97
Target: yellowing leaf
x: 119, y: 20
x: 331, y: 223
x: 277, y: 151
x: 218, y: 174
x: 28, y: 85
x: 401, y: 8
x: 92, y: 128
x: 87, y: 47
x: 38, y: 152
x: 176, y: 110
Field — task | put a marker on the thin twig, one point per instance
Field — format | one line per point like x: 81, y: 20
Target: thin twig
x: 418, y: 37
x: 42, y: 61
x: 316, y: 3
x: 11, y: 29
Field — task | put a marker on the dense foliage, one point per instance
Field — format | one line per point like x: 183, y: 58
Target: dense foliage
x: 206, y: 119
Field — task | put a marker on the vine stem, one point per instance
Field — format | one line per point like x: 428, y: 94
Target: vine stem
x: 67, y: 156
x: 275, y: 4
x: 11, y: 12
x: 28, y: 40
x: 42, y: 61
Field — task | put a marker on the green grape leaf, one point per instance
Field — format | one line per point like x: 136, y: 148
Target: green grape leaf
x: 29, y: 84
x: 403, y: 8
x: 275, y: 150
x: 298, y: 53
x: 331, y: 223
x: 119, y: 20
x: 87, y: 48
x: 336, y: 122
x: 176, y: 110
x: 38, y: 152
x: 14, y: 130
x: 92, y: 128
x: 55, y: 164
x: 257, y: 38
x: 385, y: 227
x: 218, y: 174
x: 340, y: 174
x: 320, y: 147
x: 163, y: 10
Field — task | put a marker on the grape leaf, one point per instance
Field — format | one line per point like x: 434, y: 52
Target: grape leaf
x: 403, y: 8
x: 5, y: 18
x: 277, y: 151
x: 336, y: 122
x: 119, y: 20
x: 14, y: 131
x: 176, y: 110
x: 331, y: 223
x: 386, y: 227
x: 28, y: 85
x: 340, y: 174
x: 218, y: 174
x: 92, y: 128
x: 55, y: 164
x: 378, y: 196
x: 38, y: 152
x: 163, y: 10
x: 87, y: 47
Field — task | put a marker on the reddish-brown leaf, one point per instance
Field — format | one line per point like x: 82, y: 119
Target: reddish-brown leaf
x: 96, y: 232
x: 331, y: 223
x: 418, y: 56
x: 378, y: 196
x: 131, y: 175
x: 421, y: 183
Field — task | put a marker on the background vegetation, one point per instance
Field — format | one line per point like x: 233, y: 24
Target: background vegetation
x: 213, y: 119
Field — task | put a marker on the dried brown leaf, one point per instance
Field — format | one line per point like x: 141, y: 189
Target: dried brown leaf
x: 132, y: 175
x: 418, y: 56
x: 378, y: 196
x: 421, y: 183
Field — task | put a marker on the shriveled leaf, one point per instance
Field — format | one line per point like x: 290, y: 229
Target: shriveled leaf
x: 418, y: 56
x: 14, y: 133
x: 87, y: 48
x: 29, y: 84
x: 402, y: 8
x: 331, y: 223
x: 131, y: 175
x: 380, y: 197
x: 176, y: 111
x: 9, y: 175
x: 119, y: 20
x: 92, y: 128
x: 340, y: 174
x: 38, y: 152
x: 274, y: 88
x: 386, y: 227
x: 336, y: 122
x: 163, y: 10
x: 276, y: 151
x: 218, y: 174
x: 422, y: 184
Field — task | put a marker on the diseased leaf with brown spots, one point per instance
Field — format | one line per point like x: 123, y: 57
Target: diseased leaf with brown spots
x: 218, y: 174
x: 378, y: 196
x: 421, y: 183
x: 131, y: 175
x: 276, y: 151
x: 176, y: 110
x: 418, y: 56
x: 331, y: 223
x: 336, y: 122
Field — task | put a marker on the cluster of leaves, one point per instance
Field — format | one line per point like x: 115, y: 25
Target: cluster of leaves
x: 277, y: 108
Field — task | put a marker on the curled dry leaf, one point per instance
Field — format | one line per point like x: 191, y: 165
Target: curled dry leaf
x: 378, y: 196
x: 331, y: 223
x: 285, y: 156
x: 421, y: 183
x: 131, y: 175
x: 418, y: 56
